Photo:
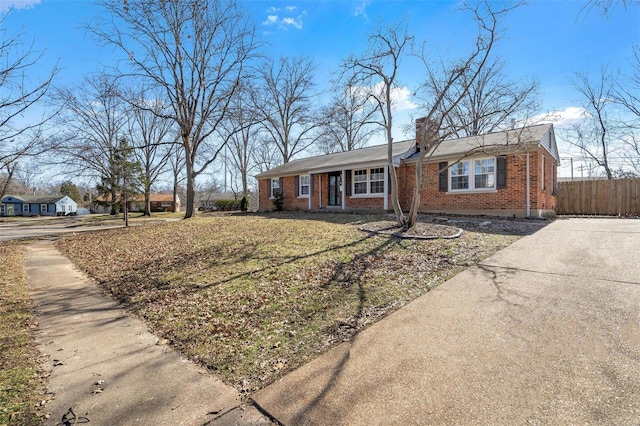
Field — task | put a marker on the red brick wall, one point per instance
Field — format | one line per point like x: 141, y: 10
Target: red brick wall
x: 508, y: 201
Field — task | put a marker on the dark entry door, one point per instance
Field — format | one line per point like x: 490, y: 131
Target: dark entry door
x: 334, y: 189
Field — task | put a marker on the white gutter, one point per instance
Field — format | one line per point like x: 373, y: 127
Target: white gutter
x: 343, y: 192
x: 528, y: 187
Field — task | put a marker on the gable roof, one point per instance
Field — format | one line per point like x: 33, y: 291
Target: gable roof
x: 504, y: 141
x: 36, y: 199
x: 363, y: 157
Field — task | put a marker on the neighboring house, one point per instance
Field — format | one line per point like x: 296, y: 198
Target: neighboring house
x: 158, y: 203
x: 37, y: 205
x: 208, y: 200
x: 508, y: 173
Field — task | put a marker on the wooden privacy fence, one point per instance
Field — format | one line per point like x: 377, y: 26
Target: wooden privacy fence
x: 599, y: 197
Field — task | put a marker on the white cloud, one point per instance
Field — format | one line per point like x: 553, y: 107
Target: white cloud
x: 17, y: 4
x: 271, y: 19
x: 400, y: 97
x: 285, y: 21
x: 292, y: 21
x: 361, y: 9
x: 564, y: 119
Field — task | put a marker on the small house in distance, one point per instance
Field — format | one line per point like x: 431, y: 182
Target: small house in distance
x: 37, y: 205
x: 512, y: 172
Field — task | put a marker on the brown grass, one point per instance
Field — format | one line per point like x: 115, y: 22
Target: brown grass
x: 20, y: 385
x: 252, y: 297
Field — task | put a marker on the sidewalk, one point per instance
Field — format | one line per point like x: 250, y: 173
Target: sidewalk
x: 106, y: 367
x: 547, y: 331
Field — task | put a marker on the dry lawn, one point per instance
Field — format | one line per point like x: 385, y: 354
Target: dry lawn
x: 252, y: 297
x: 20, y: 383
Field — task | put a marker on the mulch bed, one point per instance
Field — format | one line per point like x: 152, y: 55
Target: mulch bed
x: 421, y: 230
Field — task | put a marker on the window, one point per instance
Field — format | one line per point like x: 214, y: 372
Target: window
x: 43, y: 208
x: 360, y: 182
x: 304, y: 183
x: 368, y: 181
x: 460, y: 176
x: 165, y: 204
x: 377, y: 181
x: 484, y: 172
x: 275, y: 187
x: 25, y: 208
x: 2, y: 208
x: 471, y: 175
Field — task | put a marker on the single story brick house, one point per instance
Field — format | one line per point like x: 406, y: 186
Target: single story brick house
x: 507, y: 173
x: 37, y: 205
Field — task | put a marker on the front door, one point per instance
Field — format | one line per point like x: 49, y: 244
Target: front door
x: 335, y: 198
x: 9, y: 209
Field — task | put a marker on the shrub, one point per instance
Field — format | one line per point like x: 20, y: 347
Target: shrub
x: 278, y: 201
x: 244, y: 203
x: 227, y: 204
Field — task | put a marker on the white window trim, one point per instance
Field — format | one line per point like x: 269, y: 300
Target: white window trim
x: 271, y: 197
x: 472, y: 181
x: 25, y: 208
x: 368, y: 194
x: 44, y: 210
x: 300, y: 194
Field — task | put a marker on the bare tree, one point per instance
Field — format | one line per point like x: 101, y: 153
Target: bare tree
x: 195, y: 51
x: 243, y: 123
x: 176, y: 163
x: 491, y: 101
x: 94, y: 119
x: 606, y: 7
x: 595, y: 135
x: 626, y: 94
x: 285, y: 104
x: 447, y: 87
x: 349, y: 121
x: 377, y: 69
x: 152, y: 135
x: 19, y: 97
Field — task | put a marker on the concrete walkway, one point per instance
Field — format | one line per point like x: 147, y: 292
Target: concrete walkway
x: 546, y: 331
x: 106, y: 367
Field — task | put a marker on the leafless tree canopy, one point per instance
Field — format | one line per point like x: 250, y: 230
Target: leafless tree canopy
x: 348, y: 122
x: 376, y: 71
x: 492, y: 102
x: 20, y: 95
x: 93, y: 116
x: 284, y: 104
x: 152, y: 137
x: 195, y: 51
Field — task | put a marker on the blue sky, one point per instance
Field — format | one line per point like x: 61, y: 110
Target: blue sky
x: 546, y: 40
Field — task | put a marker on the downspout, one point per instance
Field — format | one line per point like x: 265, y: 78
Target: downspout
x: 310, y: 202
x: 343, y: 180
x: 386, y: 188
x: 528, y: 188
x: 320, y: 191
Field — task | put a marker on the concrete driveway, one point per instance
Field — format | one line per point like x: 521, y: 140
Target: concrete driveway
x: 546, y: 331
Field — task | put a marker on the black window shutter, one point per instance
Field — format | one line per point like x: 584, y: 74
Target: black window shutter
x: 347, y: 184
x: 310, y: 185
x: 296, y: 184
x: 281, y: 188
x: 443, y: 179
x: 269, y: 188
x: 502, y: 172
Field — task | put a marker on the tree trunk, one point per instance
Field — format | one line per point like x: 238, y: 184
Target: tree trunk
x: 147, y: 200
x: 175, y: 194
x: 421, y: 170
x: 113, y: 203
x: 190, y: 210
x: 7, y: 182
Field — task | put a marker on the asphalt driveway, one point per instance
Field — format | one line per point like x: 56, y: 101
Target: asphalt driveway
x: 546, y: 331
